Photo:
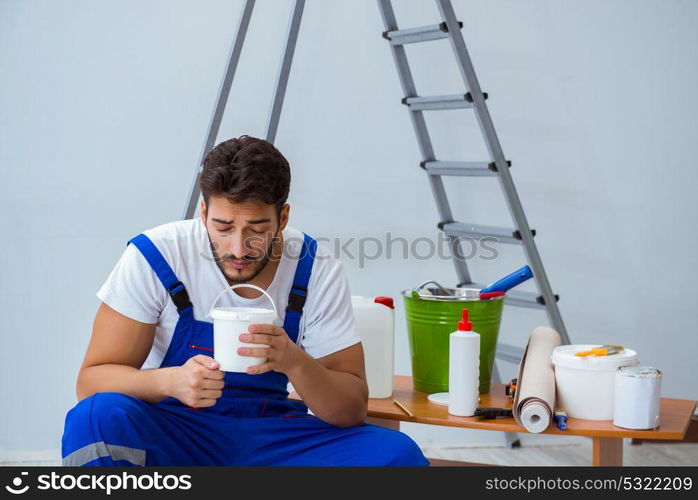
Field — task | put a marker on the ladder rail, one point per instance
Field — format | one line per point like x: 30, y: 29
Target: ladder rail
x: 407, y: 81
x: 493, y: 145
x: 284, y: 71
x: 219, y: 106
x: 423, y: 139
x: 272, y: 123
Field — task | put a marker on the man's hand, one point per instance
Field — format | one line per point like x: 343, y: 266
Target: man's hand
x: 281, y: 355
x: 197, y: 383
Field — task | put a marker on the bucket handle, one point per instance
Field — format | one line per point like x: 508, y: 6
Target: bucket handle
x: 421, y: 287
x: 241, y: 285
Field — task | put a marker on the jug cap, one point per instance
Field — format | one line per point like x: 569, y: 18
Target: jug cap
x: 465, y: 325
x: 386, y: 301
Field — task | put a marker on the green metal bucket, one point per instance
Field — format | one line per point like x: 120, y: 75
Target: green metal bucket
x: 430, y: 320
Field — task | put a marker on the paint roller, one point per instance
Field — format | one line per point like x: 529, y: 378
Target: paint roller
x: 508, y: 282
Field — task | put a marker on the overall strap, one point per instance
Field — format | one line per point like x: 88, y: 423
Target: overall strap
x: 164, y: 272
x: 299, y: 289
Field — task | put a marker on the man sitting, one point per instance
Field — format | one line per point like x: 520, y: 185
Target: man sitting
x: 149, y: 387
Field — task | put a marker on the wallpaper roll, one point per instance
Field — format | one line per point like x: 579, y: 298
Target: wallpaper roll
x: 534, y: 402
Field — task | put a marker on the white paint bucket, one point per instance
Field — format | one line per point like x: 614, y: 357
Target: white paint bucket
x: 229, y: 323
x: 586, y: 384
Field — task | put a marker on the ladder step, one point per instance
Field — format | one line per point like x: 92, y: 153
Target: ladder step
x: 503, y: 235
x: 460, y: 168
x: 452, y: 101
x: 510, y: 353
x: 526, y: 299
x: 420, y: 34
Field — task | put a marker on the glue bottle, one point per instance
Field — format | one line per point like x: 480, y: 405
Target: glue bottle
x: 463, y: 369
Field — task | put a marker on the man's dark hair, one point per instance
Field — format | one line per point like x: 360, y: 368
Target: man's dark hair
x: 246, y: 168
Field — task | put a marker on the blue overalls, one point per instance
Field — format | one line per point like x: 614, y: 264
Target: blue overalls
x: 252, y: 423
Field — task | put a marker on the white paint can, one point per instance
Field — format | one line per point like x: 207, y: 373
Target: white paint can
x: 636, y: 397
x: 229, y: 323
x: 585, y: 385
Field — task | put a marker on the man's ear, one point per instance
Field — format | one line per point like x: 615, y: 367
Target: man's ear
x: 202, y: 209
x: 283, y: 216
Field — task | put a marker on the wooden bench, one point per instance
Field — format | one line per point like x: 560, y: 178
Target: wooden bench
x: 607, y: 439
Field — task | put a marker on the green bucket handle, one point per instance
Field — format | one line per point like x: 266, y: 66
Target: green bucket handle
x: 415, y: 290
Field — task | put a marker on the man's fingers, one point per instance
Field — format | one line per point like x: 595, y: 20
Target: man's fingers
x: 259, y: 338
x: 211, y: 393
x: 213, y: 374
x: 255, y: 352
x: 256, y: 370
x: 206, y: 361
x: 210, y: 367
x: 268, y: 329
x: 212, y: 383
x: 205, y: 402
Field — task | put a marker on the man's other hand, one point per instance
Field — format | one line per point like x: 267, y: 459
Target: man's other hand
x: 198, y: 382
x: 282, y: 354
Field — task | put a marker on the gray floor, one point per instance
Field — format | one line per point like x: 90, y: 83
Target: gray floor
x: 573, y: 451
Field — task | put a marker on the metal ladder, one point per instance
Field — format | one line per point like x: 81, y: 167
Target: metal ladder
x: 227, y: 80
x: 474, y: 99
x: 497, y: 166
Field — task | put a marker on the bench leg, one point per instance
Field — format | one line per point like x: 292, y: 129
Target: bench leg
x: 607, y: 452
x: 384, y: 422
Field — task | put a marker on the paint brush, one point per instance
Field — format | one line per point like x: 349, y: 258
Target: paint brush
x: 604, y: 350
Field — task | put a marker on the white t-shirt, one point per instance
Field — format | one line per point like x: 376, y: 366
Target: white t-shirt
x: 134, y: 290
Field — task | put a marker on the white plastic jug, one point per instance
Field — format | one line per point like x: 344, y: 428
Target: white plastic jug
x: 375, y: 320
x: 229, y: 323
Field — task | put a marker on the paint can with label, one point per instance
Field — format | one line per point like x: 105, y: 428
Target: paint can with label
x: 636, y: 397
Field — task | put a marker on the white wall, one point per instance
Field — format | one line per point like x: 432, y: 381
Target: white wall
x: 103, y: 107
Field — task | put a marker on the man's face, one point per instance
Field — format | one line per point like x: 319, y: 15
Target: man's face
x: 243, y: 235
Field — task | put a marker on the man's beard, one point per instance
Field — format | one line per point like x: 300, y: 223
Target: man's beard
x: 261, y: 264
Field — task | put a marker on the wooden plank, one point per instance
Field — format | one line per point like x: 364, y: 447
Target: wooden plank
x: 384, y: 422
x: 691, y: 435
x: 675, y: 415
x: 607, y: 452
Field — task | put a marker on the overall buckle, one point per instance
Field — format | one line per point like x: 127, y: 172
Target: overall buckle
x: 296, y: 300
x: 179, y: 295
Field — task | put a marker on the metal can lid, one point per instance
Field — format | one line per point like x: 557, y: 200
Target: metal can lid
x: 639, y: 371
x: 458, y: 294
